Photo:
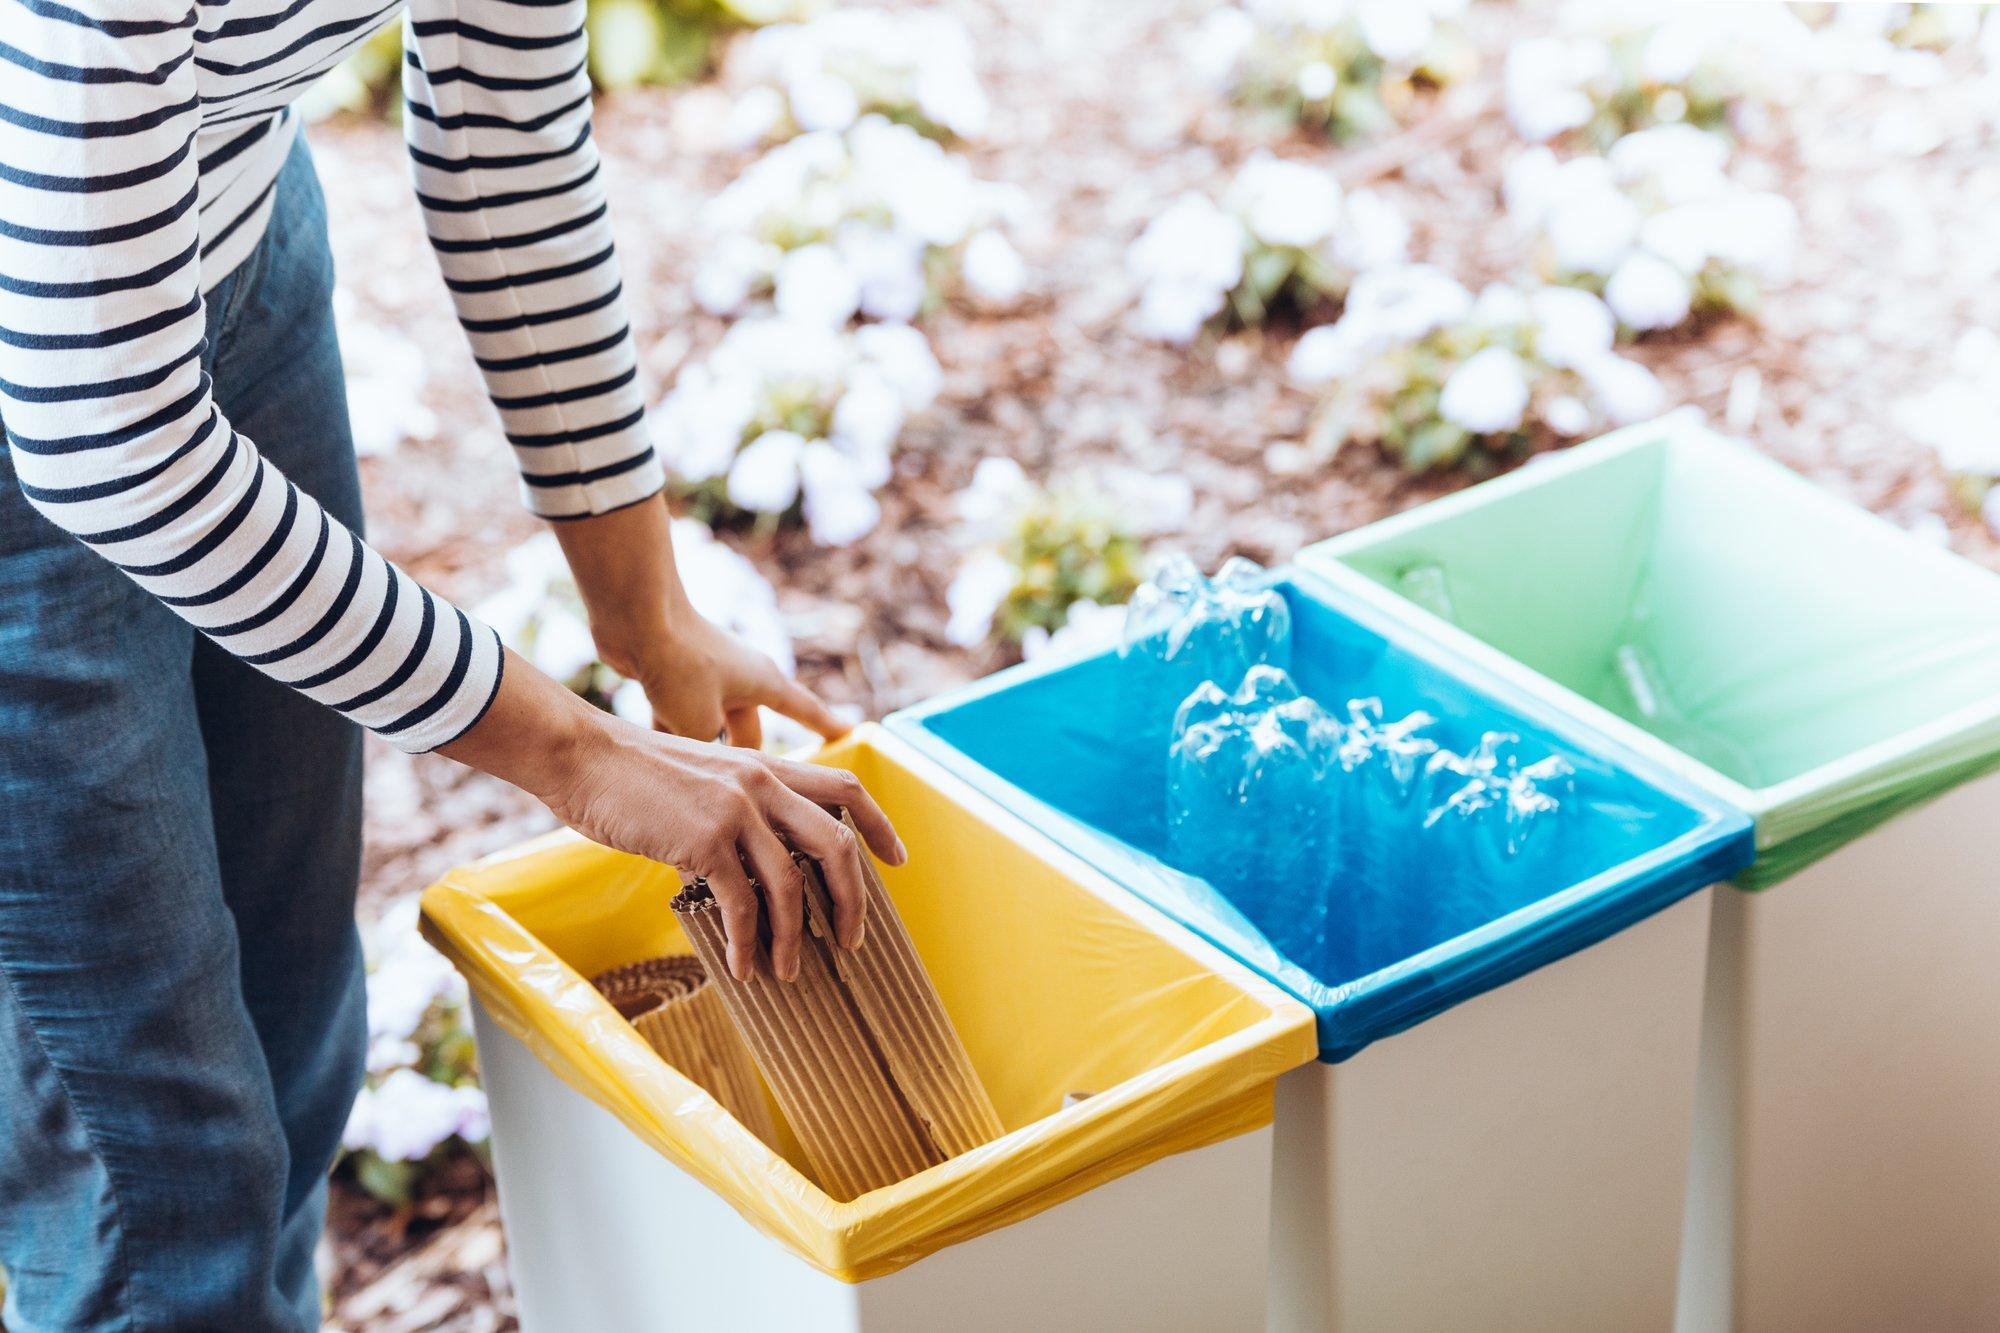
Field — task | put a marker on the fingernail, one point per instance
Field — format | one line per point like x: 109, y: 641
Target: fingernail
x: 855, y: 936
x: 790, y: 971
x: 902, y: 852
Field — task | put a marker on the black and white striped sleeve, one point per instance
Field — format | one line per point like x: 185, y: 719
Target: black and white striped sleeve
x: 108, y: 413
x: 497, y: 103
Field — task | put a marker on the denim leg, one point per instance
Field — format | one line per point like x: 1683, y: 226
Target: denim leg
x: 141, y: 1156
x: 284, y: 773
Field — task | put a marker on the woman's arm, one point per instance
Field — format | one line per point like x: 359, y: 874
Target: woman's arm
x: 699, y: 680
x: 113, y: 431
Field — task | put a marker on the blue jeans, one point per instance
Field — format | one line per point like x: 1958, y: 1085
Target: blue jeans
x: 182, y: 1012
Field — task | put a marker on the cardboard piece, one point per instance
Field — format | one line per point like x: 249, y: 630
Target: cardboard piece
x: 672, y: 1005
x: 858, y: 1050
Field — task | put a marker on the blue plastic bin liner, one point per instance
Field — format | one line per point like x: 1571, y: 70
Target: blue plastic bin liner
x: 1080, y: 751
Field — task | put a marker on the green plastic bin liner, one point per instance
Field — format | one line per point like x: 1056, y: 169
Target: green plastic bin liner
x: 1811, y: 663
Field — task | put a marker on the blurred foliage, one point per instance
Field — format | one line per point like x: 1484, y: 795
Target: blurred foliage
x: 1070, y: 545
x: 632, y: 42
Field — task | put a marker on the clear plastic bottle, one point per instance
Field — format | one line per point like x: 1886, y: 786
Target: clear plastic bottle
x: 1199, y: 630
x: 1499, y: 820
x: 1249, y: 808
x: 1380, y: 768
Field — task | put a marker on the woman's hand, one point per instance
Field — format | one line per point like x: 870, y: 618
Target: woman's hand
x: 722, y: 813
x: 700, y: 680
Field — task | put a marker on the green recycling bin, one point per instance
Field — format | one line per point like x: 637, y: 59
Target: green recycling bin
x: 1839, y: 681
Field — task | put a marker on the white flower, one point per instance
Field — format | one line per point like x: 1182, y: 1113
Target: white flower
x: 407, y: 1117
x: 998, y: 489
x: 1500, y: 305
x: 888, y: 267
x: 1174, y: 312
x: 756, y: 116
x: 1567, y: 416
x: 822, y: 102
x: 1317, y: 79
x: 1397, y: 31
x: 1625, y: 390
x: 1529, y: 185
x: 1545, y: 81
x: 975, y: 596
x: 905, y: 361
x: 1286, y: 203
x: 1327, y: 353
x: 813, y: 284
x: 994, y: 271
x: 1218, y: 42
x: 1959, y: 418
x: 1590, y: 232
x: 1571, y: 326
x: 840, y: 510
x: 1192, y: 243
x: 1678, y: 162
x: 1672, y: 53
x: 1646, y: 292
x: 1755, y: 230
x: 1087, y: 628
x: 765, y: 476
x: 386, y: 1053
x: 869, y: 415
x: 1373, y: 232
x: 950, y: 99
x: 1403, y: 302
x: 1487, y: 394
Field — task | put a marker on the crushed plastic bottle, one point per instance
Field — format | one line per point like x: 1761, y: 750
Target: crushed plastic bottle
x: 1498, y: 818
x: 1248, y: 808
x: 1380, y: 767
x: 1206, y: 630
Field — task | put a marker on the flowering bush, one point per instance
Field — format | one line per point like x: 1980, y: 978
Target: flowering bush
x: 913, y: 67
x: 1438, y: 378
x: 540, y: 614
x: 1656, y: 227
x: 1708, y: 67
x: 1343, y: 69
x: 672, y: 41
x: 1957, y: 420
x: 789, y: 416
x: 877, y: 221
x: 1284, y: 238
x: 1049, y: 561
x: 422, y: 1100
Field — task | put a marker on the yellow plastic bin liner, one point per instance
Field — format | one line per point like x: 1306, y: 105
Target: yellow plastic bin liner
x: 1058, y: 981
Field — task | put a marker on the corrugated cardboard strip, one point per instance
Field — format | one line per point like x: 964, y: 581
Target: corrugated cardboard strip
x: 681, y: 1016
x: 859, y: 1052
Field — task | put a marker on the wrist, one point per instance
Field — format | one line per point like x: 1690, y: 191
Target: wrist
x: 536, y: 735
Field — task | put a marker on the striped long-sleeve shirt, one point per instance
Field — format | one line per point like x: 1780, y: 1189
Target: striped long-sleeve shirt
x: 139, y: 144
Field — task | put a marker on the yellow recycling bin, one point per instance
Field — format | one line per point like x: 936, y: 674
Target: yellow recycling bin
x: 633, y: 1200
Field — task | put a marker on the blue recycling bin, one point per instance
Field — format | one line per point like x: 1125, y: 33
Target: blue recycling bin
x: 1499, y: 1126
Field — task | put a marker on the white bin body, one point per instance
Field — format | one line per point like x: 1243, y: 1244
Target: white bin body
x: 603, y: 1233
x: 1516, y: 1163
x: 1847, y: 1172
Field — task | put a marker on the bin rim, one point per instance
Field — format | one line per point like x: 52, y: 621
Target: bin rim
x: 858, y: 1239
x: 1781, y: 810
x: 1393, y: 998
